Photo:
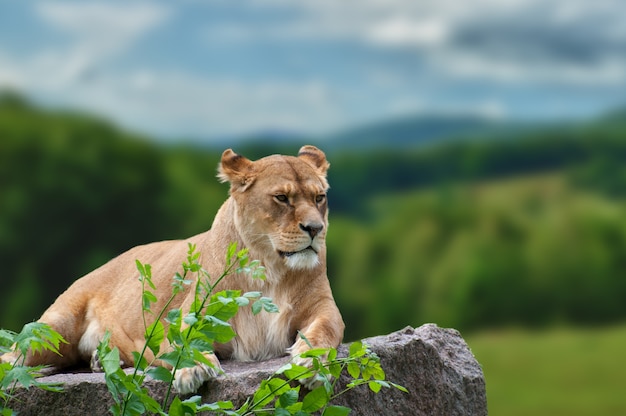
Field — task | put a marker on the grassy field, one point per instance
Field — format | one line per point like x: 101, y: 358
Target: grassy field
x: 558, y: 372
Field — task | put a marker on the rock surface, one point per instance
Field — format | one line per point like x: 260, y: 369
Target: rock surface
x: 434, y: 364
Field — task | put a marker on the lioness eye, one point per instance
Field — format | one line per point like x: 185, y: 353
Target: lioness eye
x: 281, y: 198
x: 320, y: 198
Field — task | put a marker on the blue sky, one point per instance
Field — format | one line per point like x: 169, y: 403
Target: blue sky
x: 214, y: 69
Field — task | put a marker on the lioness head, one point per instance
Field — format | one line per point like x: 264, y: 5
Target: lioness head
x: 281, y: 206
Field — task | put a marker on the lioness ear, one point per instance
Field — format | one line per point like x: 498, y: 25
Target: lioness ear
x: 235, y: 169
x: 314, y: 157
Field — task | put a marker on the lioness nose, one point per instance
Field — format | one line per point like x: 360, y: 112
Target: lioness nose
x: 312, y: 228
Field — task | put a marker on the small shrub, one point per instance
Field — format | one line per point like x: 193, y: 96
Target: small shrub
x: 34, y: 336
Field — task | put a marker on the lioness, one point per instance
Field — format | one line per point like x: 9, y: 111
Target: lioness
x: 277, y: 209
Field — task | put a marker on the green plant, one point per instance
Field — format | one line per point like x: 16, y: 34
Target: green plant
x: 188, y: 336
x: 34, y: 337
x: 207, y: 323
x: 278, y: 396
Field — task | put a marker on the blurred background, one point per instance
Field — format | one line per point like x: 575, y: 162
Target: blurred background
x: 478, y: 155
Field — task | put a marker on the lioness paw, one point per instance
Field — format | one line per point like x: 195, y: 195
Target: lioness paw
x: 189, y: 380
x: 96, y: 366
x: 312, y: 382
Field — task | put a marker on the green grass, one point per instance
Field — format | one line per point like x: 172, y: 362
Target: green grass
x: 558, y: 372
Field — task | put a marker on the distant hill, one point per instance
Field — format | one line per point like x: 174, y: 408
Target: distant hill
x: 617, y: 115
x: 403, y: 133
x: 411, y: 131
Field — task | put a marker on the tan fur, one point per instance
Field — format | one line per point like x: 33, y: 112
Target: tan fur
x: 255, y: 217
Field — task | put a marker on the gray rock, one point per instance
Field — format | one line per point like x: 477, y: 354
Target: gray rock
x: 434, y: 364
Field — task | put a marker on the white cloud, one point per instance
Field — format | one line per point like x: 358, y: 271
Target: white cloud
x: 98, y: 33
x: 472, y: 66
x: 402, y: 31
x: 106, y: 27
x: 177, y: 104
x: 564, y: 41
x: 170, y: 104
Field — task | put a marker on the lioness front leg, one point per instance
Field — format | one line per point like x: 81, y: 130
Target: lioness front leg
x: 321, y: 333
x: 189, y: 379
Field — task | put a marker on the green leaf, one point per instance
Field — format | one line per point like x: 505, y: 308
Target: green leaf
x: 140, y: 361
x: 258, y: 271
x: 160, y: 373
x: 336, y: 411
x: 232, y: 249
x: 315, y: 400
x: 179, y: 283
x: 315, y: 352
x: 7, y: 338
x: 243, y: 261
x: 278, y: 386
x: 176, y: 408
x: 270, y: 307
x: 20, y: 374
x: 305, y: 339
x: 201, y: 344
x: 266, y: 304
x: 288, y: 398
x: 222, y: 307
x: 175, y: 321
x: 216, y: 321
x: 6, y: 412
x: 147, y: 299
x: 373, y: 370
x: 357, y: 349
x: 256, y: 307
x: 26, y: 376
x: 182, y: 357
x: 213, y: 406
x: 242, y: 301
x: 200, y: 357
x: 281, y: 412
x: 332, y: 354
x: 335, y: 369
x: 135, y: 406
x: 374, y: 386
x: 354, y: 370
x: 252, y: 295
x: 38, y: 336
x: 173, y: 316
x: 145, y: 272
x: 296, y: 372
x: 263, y: 395
x: 216, y: 333
x: 399, y: 387
x: 190, y: 319
x: 155, y: 334
x: 111, y: 361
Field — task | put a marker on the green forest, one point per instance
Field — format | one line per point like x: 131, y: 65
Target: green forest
x: 524, y: 228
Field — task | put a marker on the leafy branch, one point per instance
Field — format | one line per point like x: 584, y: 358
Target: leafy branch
x: 34, y: 337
